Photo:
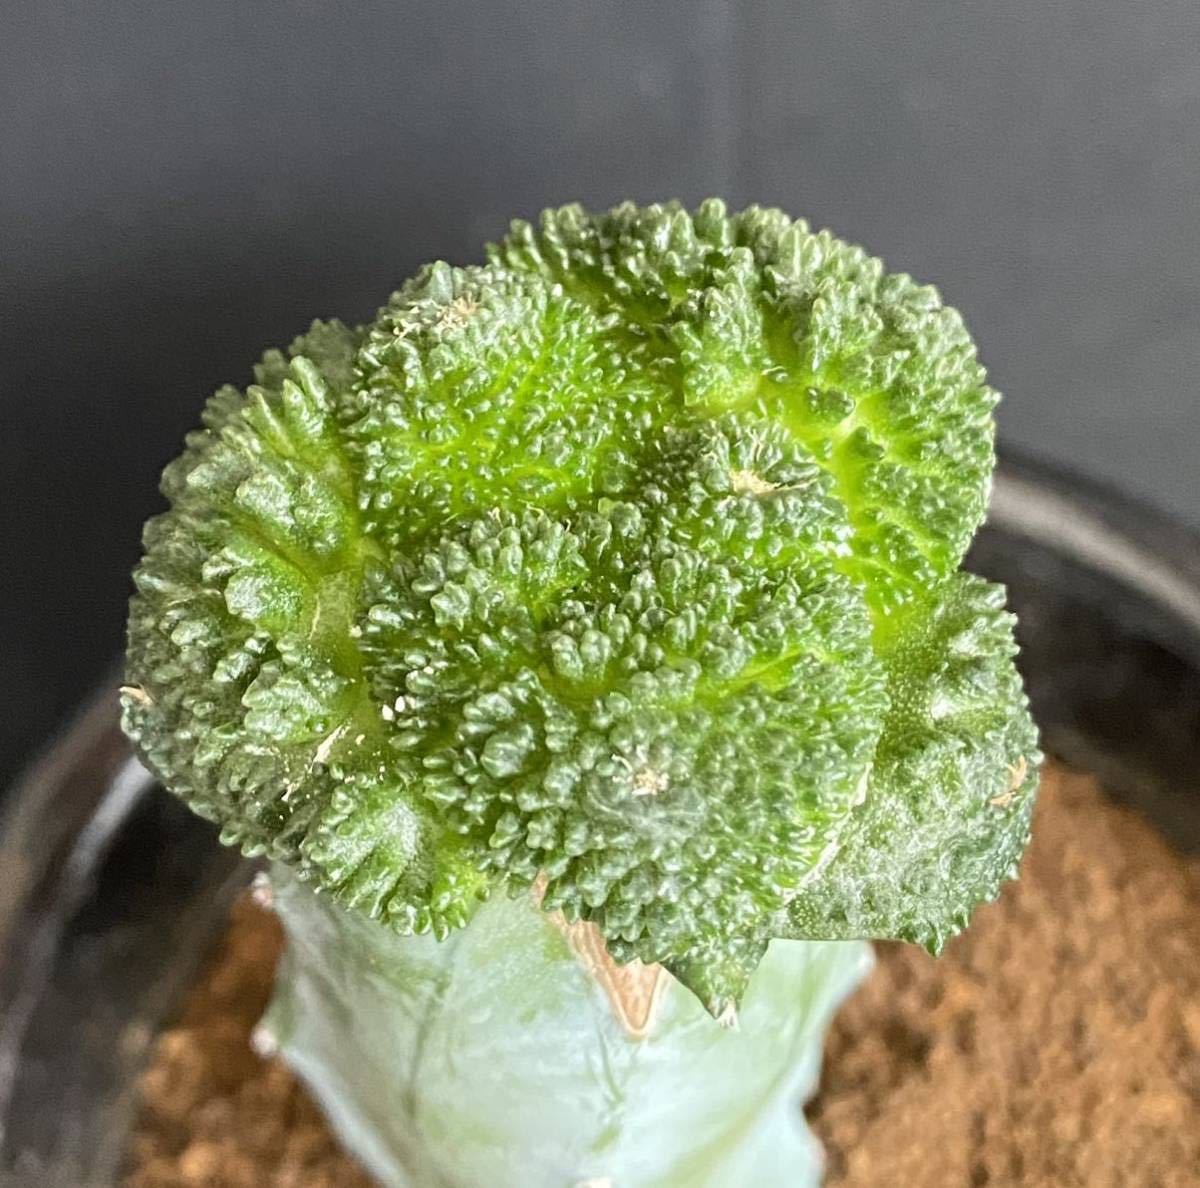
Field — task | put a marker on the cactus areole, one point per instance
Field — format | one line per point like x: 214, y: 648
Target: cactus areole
x: 585, y: 642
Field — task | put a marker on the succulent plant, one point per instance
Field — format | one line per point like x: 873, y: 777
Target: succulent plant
x: 619, y: 573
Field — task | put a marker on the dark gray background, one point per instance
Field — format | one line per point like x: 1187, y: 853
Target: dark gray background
x: 182, y: 184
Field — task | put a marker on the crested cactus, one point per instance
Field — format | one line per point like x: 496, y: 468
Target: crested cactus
x: 584, y: 641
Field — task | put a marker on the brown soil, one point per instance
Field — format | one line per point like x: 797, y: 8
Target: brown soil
x: 213, y: 1113
x: 1055, y: 1044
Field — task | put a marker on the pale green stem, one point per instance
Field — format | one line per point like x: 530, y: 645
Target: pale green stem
x: 495, y: 1059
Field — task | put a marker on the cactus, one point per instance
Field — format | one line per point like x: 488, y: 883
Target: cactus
x: 588, y: 629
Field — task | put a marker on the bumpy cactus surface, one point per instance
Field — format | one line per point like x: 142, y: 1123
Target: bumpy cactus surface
x: 625, y: 564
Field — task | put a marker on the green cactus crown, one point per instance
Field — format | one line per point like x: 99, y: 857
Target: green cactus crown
x: 626, y: 563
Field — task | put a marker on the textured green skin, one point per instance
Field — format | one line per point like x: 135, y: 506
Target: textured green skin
x: 493, y: 1059
x: 629, y: 560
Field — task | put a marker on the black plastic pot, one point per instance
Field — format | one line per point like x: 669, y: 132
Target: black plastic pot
x: 110, y: 891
